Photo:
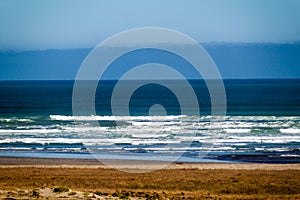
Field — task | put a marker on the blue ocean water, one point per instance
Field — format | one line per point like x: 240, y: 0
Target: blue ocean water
x: 262, y: 123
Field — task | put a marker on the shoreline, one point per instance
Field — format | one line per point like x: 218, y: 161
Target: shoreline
x: 13, y: 162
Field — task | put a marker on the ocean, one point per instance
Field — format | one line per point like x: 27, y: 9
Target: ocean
x: 262, y: 123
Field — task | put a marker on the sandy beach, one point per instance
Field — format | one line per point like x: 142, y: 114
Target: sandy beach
x: 35, y: 178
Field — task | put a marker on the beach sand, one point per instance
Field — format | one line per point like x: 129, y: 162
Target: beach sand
x: 35, y: 178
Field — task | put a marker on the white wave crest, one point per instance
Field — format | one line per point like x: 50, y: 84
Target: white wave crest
x: 290, y: 130
x: 115, y: 118
x: 237, y: 130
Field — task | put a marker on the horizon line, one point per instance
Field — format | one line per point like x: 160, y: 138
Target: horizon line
x: 40, y: 80
x: 201, y: 43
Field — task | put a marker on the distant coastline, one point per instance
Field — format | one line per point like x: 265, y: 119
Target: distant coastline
x: 234, y: 60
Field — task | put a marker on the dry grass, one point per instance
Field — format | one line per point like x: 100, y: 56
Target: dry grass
x: 167, y: 183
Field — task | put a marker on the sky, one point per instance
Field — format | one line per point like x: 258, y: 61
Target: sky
x: 65, y: 24
x: 40, y: 25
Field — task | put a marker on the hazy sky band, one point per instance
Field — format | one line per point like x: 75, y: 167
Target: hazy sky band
x: 57, y: 24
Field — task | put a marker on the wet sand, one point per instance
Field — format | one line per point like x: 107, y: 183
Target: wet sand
x: 93, y: 163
